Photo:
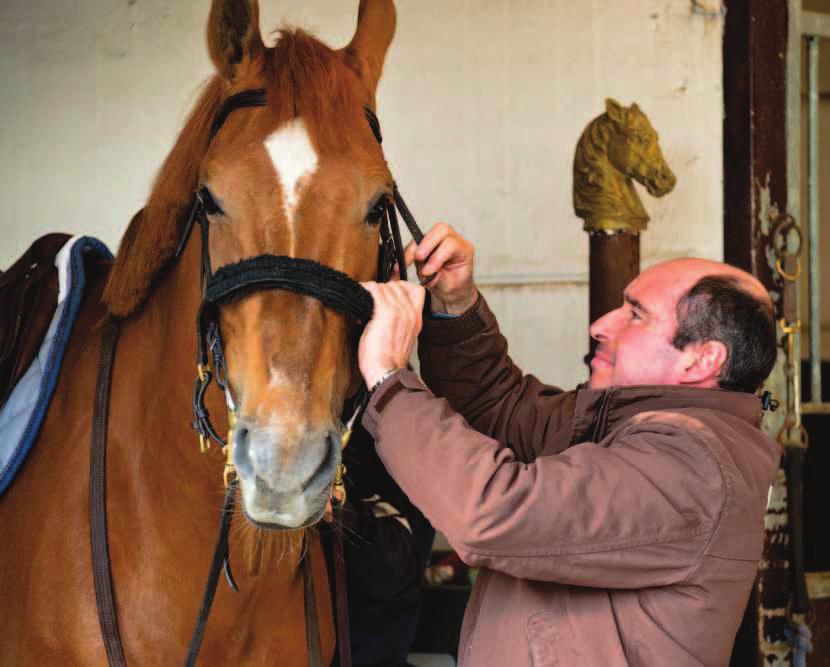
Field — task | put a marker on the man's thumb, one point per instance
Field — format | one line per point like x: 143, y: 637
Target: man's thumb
x: 409, y: 252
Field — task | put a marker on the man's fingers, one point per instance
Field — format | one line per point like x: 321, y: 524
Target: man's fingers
x: 378, y: 297
x: 417, y: 296
x: 398, y: 299
x: 409, y: 253
x: 372, y: 287
x: 431, y: 240
x: 441, y: 256
x: 397, y: 296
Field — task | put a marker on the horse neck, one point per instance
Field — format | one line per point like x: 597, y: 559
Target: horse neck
x: 601, y: 191
x: 160, y: 342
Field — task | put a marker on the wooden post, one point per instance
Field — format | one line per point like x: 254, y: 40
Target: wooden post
x: 755, y: 188
x: 614, y: 262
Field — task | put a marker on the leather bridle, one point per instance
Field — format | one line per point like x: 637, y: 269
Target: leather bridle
x: 332, y: 288
x: 335, y: 290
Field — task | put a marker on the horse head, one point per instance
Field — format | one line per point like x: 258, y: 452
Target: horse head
x: 633, y: 149
x: 303, y: 177
x: 300, y: 175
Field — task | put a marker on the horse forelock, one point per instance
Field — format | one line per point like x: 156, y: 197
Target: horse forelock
x: 303, y: 77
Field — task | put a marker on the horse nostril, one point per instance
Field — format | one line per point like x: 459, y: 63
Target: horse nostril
x: 327, y: 464
x: 242, y: 449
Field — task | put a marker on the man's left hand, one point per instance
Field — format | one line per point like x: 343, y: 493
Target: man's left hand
x: 396, y: 322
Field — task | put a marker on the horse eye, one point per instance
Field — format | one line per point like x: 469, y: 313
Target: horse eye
x: 211, y: 208
x: 375, y: 215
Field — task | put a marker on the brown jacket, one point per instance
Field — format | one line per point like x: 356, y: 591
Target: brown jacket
x: 615, y: 527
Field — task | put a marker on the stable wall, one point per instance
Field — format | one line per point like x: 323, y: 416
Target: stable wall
x: 482, y: 103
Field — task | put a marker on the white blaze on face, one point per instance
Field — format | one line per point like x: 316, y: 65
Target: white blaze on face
x: 295, y: 160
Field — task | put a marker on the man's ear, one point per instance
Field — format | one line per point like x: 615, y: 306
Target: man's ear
x: 375, y: 29
x: 233, y: 36
x: 703, y: 362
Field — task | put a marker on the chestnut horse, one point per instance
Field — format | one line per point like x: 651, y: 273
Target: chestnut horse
x: 299, y: 177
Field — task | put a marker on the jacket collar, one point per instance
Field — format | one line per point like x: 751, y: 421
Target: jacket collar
x: 598, y: 411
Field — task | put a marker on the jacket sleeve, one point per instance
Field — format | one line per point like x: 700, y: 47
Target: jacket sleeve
x: 633, y: 514
x: 465, y: 360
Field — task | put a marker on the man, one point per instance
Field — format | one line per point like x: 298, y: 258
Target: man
x: 619, y: 524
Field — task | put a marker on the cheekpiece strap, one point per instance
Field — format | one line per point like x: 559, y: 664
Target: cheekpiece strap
x: 374, y: 123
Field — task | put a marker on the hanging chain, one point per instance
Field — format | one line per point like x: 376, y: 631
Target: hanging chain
x: 786, y: 245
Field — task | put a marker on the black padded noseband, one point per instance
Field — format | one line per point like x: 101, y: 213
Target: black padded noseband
x: 331, y: 287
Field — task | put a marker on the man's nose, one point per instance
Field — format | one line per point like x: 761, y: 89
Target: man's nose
x: 602, y: 329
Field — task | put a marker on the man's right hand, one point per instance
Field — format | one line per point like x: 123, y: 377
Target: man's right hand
x: 444, y: 261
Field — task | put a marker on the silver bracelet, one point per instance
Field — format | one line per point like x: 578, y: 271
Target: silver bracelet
x: 383, y: 378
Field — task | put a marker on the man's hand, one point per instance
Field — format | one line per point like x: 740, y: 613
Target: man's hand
x: 444, y: 260
x: 396, y: 322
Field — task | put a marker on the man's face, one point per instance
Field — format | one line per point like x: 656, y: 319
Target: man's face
x: 635, y: 340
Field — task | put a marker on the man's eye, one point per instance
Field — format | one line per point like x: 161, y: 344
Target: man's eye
x: 211, y: 208
x: 375, y: 215
x: 635, y: 315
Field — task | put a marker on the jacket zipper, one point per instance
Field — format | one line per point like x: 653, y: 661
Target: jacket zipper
x: 601, y: 417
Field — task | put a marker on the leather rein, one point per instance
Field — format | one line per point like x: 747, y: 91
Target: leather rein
x: 335, y: 290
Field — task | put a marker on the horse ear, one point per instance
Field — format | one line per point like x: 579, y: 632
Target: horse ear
x: 615, y: 110
x: 233, y: 36
x: 375, y: 30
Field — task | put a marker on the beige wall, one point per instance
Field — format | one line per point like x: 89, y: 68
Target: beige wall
x: 482, y: 104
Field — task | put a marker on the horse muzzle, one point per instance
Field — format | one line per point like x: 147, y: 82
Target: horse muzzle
x: 660, y: 182
x: 284, y: 485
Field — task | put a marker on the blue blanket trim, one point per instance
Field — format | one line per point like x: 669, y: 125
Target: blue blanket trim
x: 84, y: 247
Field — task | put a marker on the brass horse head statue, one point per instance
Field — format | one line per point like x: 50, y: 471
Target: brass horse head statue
x: 616, y: 147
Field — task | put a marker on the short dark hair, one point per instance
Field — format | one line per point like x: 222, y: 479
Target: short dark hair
x: 718, y: 308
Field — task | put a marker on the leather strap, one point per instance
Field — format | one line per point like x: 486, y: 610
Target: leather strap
x: 220, y: 555
x: 343, y: 638
x: 312, y: 625
x: 101, y: 569
x: 256, y: 97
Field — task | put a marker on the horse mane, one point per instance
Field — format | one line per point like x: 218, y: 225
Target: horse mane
x: 303, y: 77
x: 591, y: 165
